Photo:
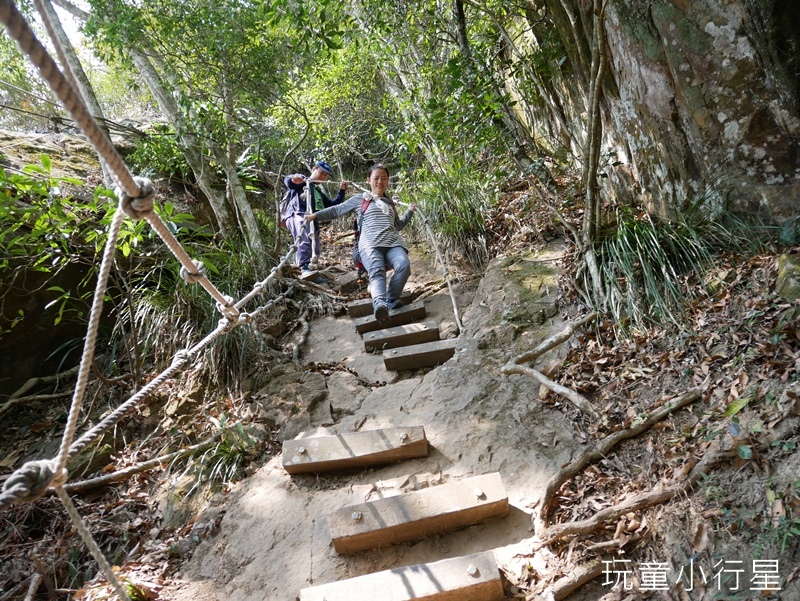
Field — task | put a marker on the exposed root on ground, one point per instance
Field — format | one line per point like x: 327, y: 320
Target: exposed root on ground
x: 514, y: 366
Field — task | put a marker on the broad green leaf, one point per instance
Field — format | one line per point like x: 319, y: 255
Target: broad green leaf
x: 736, y: 406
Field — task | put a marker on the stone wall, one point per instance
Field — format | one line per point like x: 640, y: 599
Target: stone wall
x: 701, y: 99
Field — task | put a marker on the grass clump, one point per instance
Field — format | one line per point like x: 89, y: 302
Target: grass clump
x: 456, y: 201
x: 652, y: 267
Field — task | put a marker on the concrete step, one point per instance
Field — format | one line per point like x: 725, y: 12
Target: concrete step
x: 468, y: 578
x: 353, y: 449
x: 426, y: 354
x: 363, y: 307
x: 397, y: 317
x: 412, y: 333
x: 415, y: 515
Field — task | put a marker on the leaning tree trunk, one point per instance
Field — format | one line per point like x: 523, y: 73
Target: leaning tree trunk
x: 204, y: 174
x: 236, y: 191
x: 78, y: 78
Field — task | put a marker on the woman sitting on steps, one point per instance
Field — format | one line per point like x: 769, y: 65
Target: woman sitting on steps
x: 380, y: 243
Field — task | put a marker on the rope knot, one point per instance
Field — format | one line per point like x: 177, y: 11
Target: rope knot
x: 139, y: 207
x: 228, y: 309
x: 30, y: 482
x: 182, y: 358
x: 198, y: 274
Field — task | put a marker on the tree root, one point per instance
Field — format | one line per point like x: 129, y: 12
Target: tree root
x: 124, y: 474
x: 662, y: 493
x: 16, y: 398
x: 566, y: 585
x: 514, y: 366
x: 603, y: 447
x: 554, y: 340
x: 580, y: 401
x: 303, y: 319
x: 311, y: 286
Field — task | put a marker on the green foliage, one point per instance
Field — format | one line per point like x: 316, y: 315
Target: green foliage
x: 169, y: 314
x: 456, y: 201
x: 346, y: 102
x: 225, y: 461
x: 652, y: 267
x: 159, y: 153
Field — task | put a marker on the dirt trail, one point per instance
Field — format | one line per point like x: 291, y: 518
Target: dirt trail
x: 274, y: 538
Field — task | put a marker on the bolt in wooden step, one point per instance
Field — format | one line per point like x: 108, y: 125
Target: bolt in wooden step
x: 363, y: 307
x: 412, y: 333
x: 468, y: 578
x: 353, y: 449
x: 415, y: 515
x: 420, y: 355
x: 397, y: 317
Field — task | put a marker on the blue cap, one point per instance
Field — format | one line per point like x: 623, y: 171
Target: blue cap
x: 325, y: 166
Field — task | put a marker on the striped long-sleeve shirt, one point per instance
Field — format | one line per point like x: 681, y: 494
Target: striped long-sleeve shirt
x: 377, y: 228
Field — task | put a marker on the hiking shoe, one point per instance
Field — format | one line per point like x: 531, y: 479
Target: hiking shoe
x: 396, y: 304
x: 381, y: 312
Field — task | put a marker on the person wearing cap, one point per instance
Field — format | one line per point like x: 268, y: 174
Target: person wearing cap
x: 298, y: 207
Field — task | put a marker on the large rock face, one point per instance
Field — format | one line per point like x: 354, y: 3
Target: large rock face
x: 701, y: 98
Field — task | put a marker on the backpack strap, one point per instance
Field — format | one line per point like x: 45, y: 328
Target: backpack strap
x: 364, y: 206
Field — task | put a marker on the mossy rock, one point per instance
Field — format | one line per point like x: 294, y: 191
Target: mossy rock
x: 787, y: 283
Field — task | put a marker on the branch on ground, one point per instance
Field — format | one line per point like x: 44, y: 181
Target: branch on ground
x: 514, y: 366
x: 604, y: 446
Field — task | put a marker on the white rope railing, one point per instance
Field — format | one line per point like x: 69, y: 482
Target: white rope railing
x: 135, y: 196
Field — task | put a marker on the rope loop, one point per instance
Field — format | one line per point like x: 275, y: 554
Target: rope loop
x: 228, y: 309
x: 141, y: 206
x: 30, y: 482
x: 198, y: 274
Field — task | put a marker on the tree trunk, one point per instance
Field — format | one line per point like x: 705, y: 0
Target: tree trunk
x: 204, y: 174
x: 78, y: 79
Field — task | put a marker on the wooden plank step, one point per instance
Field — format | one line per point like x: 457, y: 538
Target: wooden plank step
x: 468, y: 578
x: 412, y: 333
x: 347, y: 282
x: 397, y: 317
x: 415, y: 515
x: 353, y: 449
x: 363, y: 307
x: 419, y: 355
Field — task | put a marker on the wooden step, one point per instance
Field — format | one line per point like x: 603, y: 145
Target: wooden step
x: 415, y: 515
x: 347, y: 282
x: 363, y: 307
x: 468, y: 578
x: 412, y: 333
x: 353, y: 449
x: 419, y: 355
x: 397, y: 317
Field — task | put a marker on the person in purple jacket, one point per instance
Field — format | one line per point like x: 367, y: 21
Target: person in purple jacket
x: 301, y: 189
